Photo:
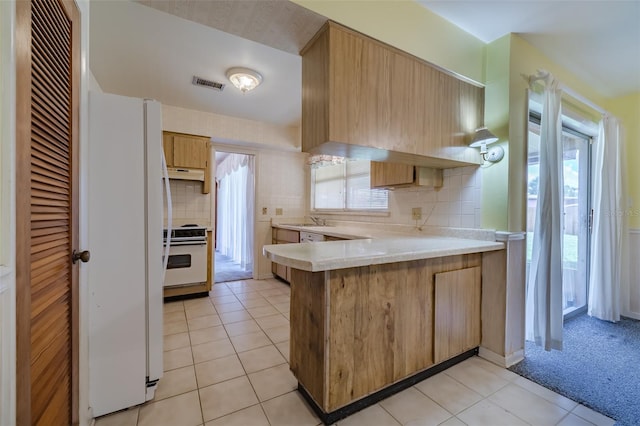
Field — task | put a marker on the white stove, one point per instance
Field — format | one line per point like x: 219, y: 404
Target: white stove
x: 187, y: 263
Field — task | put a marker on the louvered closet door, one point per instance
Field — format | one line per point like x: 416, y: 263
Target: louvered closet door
x: 47, y: 324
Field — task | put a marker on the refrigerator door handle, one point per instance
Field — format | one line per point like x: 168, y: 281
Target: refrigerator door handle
x: 167, y: 191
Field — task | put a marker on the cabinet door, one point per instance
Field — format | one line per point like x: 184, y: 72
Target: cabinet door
x: 282, y: 271
x: 360, y: 108
x: 190, y: 152
x: 387, y: 174
x: 283, y: 236
x: 452, y: 111
x: 287, y: 236
x: 457, y: 312
x: 167, y: 146
x: 406, y: 115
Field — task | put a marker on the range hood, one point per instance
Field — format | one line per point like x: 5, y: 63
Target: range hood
x: 186, y: 174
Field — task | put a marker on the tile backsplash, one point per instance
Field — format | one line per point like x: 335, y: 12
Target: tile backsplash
x: 456, y: 204
x: 190, y: 205
x: 282, y: 183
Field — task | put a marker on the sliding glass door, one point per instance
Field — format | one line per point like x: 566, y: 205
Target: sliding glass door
x: 577, y: 217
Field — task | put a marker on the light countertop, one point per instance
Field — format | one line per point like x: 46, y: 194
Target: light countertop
x: 346, y: 232
x: 329, y: 255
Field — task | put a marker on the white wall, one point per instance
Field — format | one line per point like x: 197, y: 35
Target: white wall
x: 631, y: 293
x: 7, y: 216
x: 230, y: 129
x: 282, y: 181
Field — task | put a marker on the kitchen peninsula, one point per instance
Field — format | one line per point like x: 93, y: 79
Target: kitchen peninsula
x: 370, y: 317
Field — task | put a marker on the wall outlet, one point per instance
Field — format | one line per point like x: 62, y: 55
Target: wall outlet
x: 264, y: 210
x: 416, y: 213
x: 278, y: 211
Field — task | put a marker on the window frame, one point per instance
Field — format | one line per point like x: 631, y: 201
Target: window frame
x: 344, y: 210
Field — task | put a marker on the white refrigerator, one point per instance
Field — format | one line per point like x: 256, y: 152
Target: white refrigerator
x: 125, y: 192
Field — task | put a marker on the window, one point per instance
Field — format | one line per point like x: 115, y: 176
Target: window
x: 577, y: 188
x: 345, y: 186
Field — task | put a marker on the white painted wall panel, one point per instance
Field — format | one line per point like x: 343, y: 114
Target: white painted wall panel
x: 7, y: 216
x: 632, y: 309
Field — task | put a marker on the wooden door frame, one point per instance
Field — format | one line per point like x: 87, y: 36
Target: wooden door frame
x: 23, y: 207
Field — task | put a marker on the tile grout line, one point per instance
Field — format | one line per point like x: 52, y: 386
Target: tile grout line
x: 246, y: 374
x: 263, y: 330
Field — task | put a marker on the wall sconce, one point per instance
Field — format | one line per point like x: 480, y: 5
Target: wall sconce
x: 481, y: 139
x: 244, y: 79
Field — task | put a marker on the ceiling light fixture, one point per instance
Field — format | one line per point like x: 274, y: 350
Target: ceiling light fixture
x: 481, y: 139
x: 244, y: 79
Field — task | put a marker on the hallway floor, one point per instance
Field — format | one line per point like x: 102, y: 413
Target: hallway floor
x: 226, y: 363
x: 225, y: 269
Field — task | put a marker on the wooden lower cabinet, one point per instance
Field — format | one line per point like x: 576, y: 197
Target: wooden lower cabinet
x: 457, y: 312
x: 283, y: 236
x: 359, y: 330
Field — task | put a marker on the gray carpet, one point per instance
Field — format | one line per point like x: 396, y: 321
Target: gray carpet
x: 598, y: 367
x: 227, y: 270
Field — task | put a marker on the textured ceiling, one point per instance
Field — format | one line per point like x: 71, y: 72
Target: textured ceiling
x: 280, y: 24
x: 140, y: 51
x: 153, y: 48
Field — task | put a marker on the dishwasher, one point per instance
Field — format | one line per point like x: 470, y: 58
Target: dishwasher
x: 310, y: 237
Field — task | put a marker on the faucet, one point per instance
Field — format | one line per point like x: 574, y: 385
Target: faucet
x: 318, y: 221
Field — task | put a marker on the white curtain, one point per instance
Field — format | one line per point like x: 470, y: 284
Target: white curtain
x: 235, y: 209
x: 544, y: 286
x: 609, y: 251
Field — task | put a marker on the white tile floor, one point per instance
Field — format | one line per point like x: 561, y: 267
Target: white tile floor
x: 226, y: 363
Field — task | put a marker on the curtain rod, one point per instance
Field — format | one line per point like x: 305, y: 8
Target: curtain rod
x: 546, y: 76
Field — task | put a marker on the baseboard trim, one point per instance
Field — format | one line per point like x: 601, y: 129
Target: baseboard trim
x: 492, y: 357
x: 515, y: 358
x: 264, y: 276
x: 499, y: 360
x: 632, y: 315
x: 179, y: 297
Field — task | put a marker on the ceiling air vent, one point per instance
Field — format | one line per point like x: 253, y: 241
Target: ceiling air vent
x: 199, y: 81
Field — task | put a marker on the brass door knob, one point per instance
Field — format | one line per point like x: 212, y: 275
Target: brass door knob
x: 84, y: 256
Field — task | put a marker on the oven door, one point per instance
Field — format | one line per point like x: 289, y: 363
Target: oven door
x: 187, y: 264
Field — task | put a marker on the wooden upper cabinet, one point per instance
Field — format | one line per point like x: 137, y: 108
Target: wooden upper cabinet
x: 390, y: 174
x: 188, y: 152
x: 397, y: 175
x: 362, y: 98
x: 167, y: 146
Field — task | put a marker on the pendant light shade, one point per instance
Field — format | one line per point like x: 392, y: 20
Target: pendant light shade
x: 482, y: 138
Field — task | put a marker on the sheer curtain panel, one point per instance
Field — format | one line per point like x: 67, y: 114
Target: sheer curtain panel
x: 235, y: 209
x: 544, y: 286
x: 609, y: 250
